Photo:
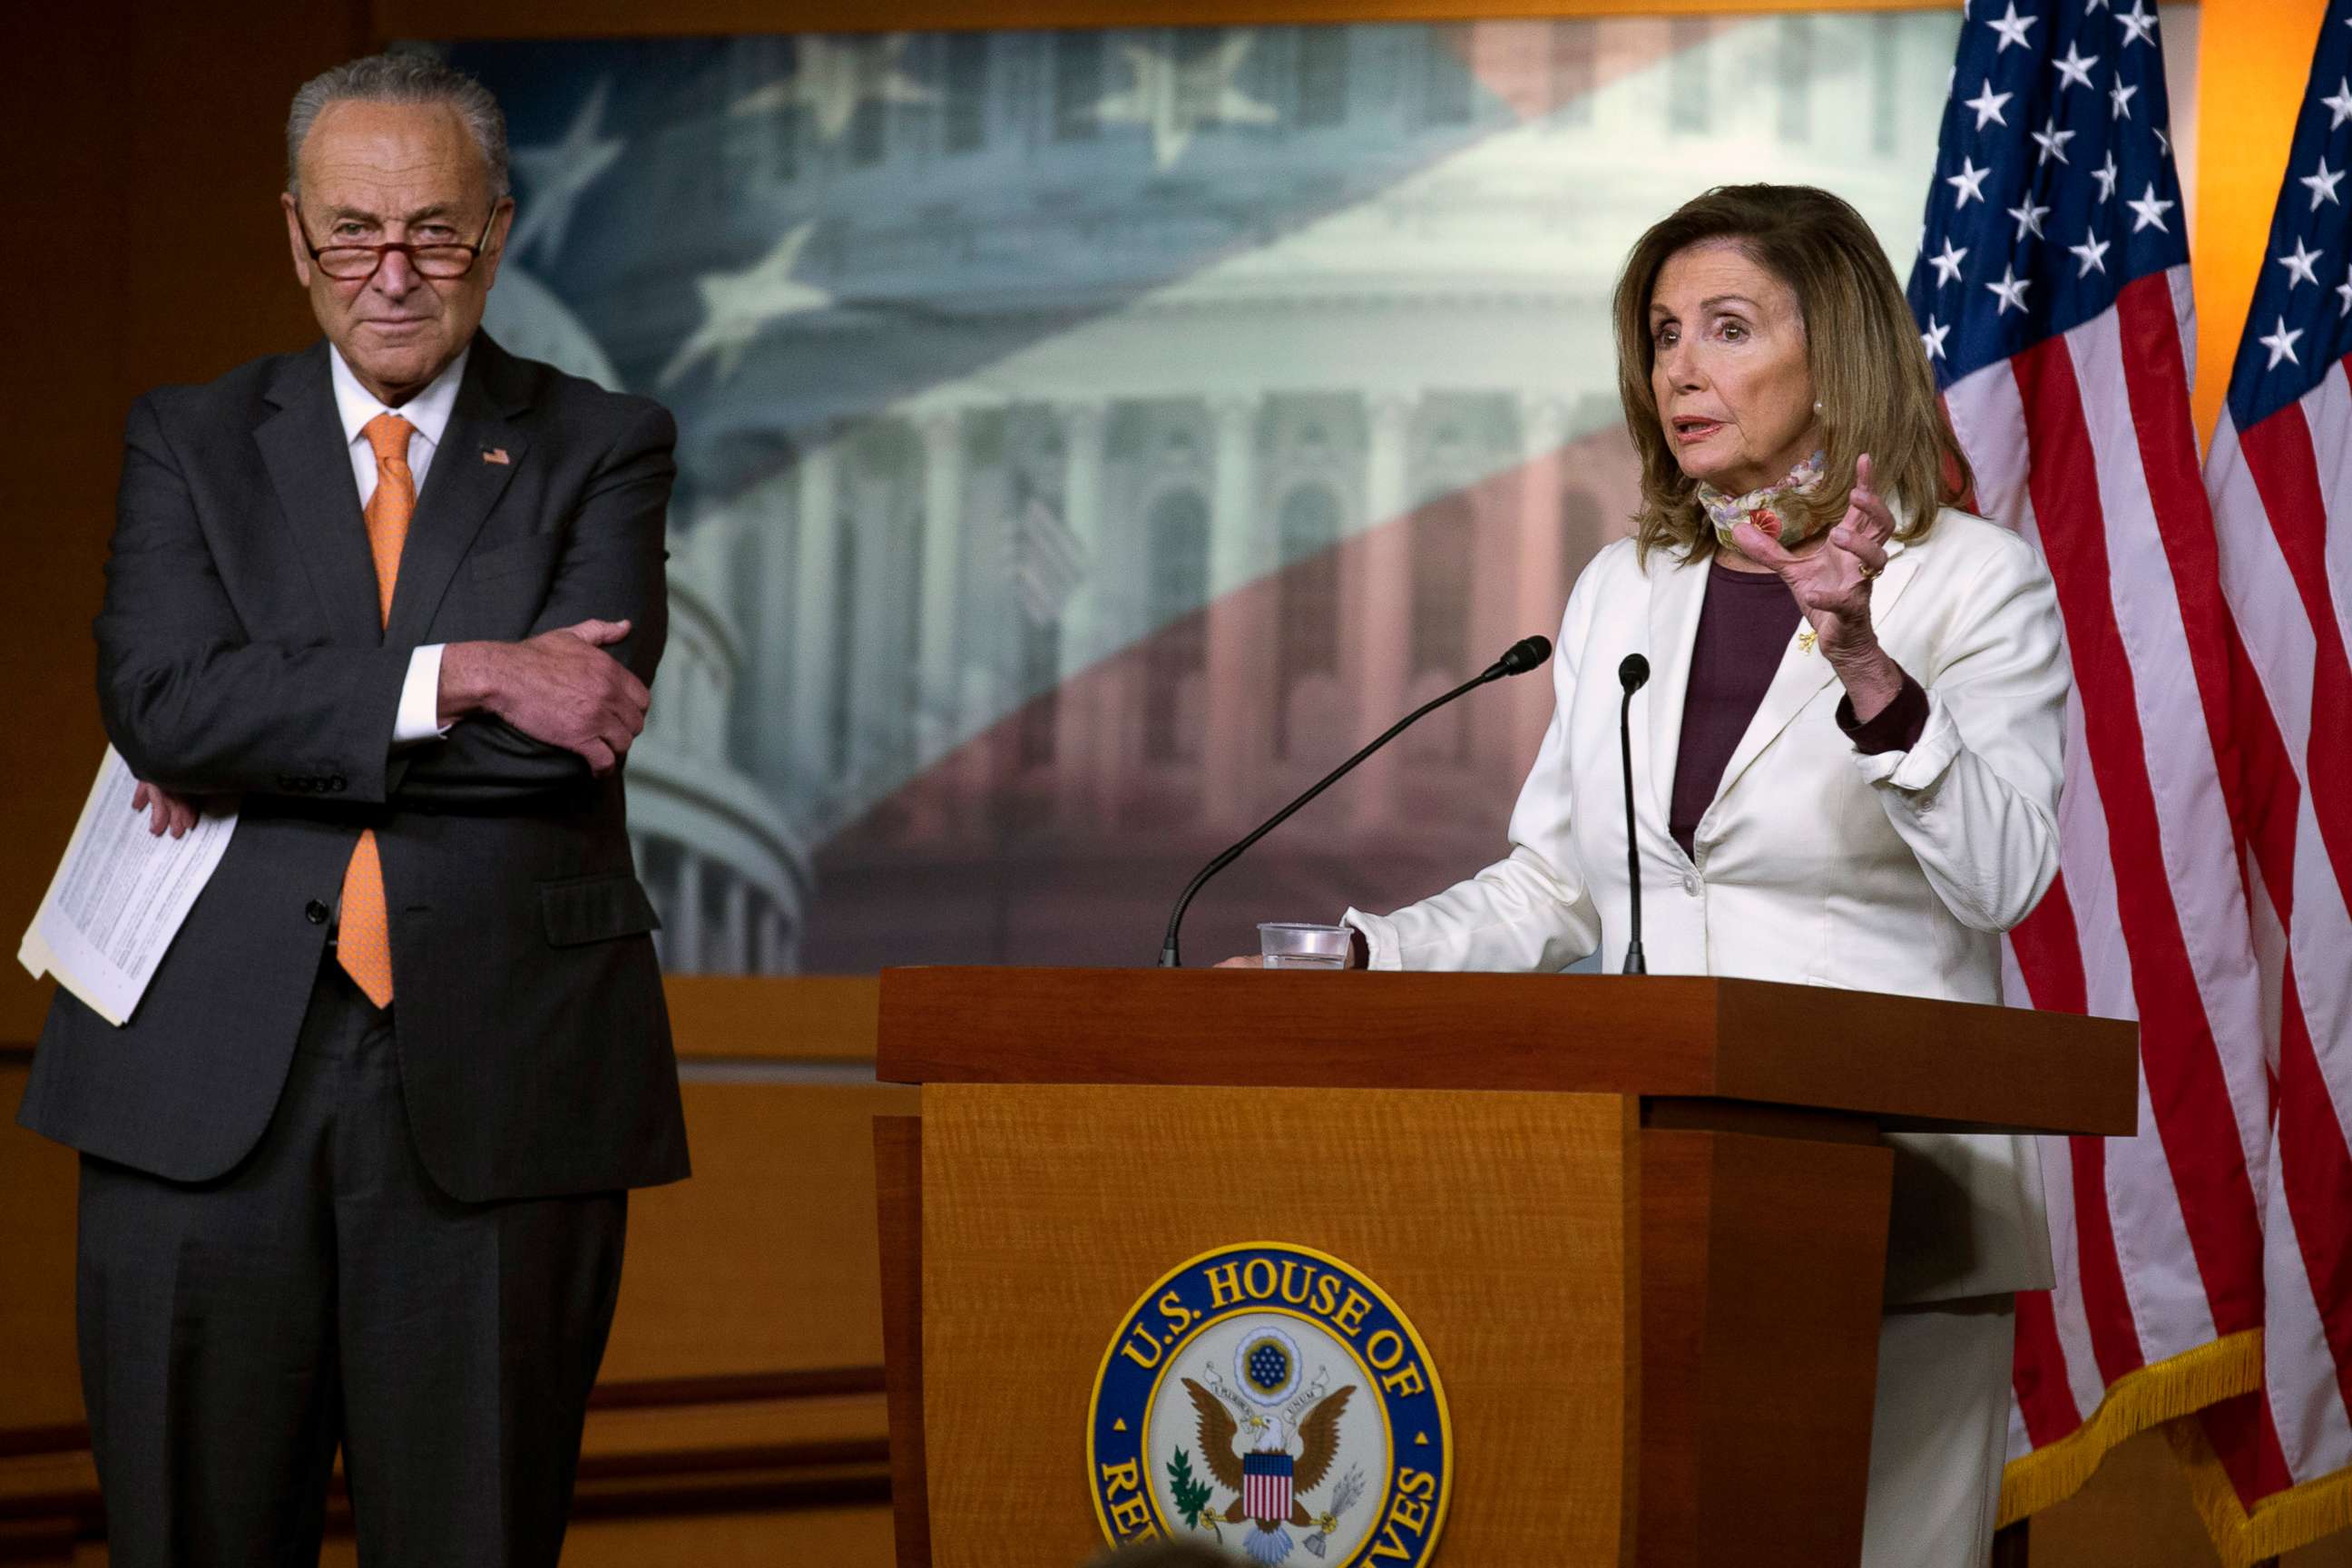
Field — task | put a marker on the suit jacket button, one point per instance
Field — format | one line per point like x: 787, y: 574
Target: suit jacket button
x: 315, y: 912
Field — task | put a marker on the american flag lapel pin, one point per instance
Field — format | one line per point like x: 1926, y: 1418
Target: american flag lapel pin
x: 496, y: 455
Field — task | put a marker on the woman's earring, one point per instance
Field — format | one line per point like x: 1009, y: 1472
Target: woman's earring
x: 1817, y: 407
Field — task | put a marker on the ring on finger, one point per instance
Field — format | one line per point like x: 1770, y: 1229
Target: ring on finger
x: 1868, y: 571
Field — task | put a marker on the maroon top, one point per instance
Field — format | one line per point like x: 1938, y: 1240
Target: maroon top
x: 1744, y: 626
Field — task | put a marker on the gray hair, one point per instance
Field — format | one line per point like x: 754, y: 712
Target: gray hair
x: 401, y: 78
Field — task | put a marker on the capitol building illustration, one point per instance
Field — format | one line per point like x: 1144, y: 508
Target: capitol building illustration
x: 1133, y: 558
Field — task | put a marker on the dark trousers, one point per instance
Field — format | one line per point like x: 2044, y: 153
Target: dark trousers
x: 233, y: 1333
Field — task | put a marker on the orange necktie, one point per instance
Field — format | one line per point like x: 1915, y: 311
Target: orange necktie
x: 365, y: 947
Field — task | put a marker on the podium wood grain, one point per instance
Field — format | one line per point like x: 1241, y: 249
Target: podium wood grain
x: 1761, y: 1265
x: 1901, y: 1060
x: 1501, y: 1224
x: 898, y: 1194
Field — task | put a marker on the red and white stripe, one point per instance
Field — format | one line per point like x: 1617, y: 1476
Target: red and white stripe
x: 2083, y: 442
x: 1267, y: 1496
x: 2282, y: 500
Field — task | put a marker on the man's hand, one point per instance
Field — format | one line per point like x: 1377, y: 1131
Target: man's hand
x: 164, y: 810
x: 559, y: 687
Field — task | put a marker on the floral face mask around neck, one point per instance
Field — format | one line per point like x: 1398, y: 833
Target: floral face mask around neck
x: 1728, y: 512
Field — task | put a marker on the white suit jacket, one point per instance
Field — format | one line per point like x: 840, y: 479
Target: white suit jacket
x: 1895, y: 872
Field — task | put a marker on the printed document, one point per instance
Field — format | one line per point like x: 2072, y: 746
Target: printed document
x: 119, y: 896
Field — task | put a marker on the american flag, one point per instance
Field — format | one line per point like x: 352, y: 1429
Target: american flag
x: 1265, y: 1486
x: 2279, y: 1470
x: 2052, y: 295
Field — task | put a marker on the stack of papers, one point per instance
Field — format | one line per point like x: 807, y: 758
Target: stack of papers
x: 119, y: 896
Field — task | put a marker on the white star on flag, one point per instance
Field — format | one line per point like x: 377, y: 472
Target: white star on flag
x: 2322, y: 185
x: 2012, y: 27
x: 2074, y: 70
x: 1969, y: 182
x: 2302, y: 266
x: 1986, y: 104
x: 2011, y: 290
x: 1934, y: 338
x: 1176, y: 99
x: 2052, y: 140
x: 2148, y: 210
x: 2139, y: 26
x: 833, y: 78
x: 2094, y: 252
x: 2029, y: 218
x: 2105, y: 176
x: 737, y: 305
x: 1947, y: 265
x: 2120, y: 97
x: 2340, y: 108
x: 555, y: 177
x: 2344, y: 292
x: 2281, y: 342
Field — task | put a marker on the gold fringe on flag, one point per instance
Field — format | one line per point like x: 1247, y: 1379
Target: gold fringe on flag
x: 2135, y: 1401
x: 2278, y: 1523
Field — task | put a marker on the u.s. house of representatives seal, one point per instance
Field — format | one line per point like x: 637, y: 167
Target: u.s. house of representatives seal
x: 1268, y: 1396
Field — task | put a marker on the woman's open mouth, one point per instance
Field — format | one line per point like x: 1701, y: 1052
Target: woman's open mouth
x: 1689, y: 430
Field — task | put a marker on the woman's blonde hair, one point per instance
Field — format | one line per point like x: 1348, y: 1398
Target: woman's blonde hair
x: 1869, y: 369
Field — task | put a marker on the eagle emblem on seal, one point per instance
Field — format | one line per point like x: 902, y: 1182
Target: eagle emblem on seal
x: 1258, y: 1455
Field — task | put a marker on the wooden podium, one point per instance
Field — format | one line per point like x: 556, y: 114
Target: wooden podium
x: 1639, y: 1222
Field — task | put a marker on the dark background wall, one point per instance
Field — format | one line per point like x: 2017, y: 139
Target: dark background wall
x: 142, y: 246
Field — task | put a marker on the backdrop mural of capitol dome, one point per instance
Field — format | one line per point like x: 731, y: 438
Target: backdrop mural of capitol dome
x: 1088, y: 438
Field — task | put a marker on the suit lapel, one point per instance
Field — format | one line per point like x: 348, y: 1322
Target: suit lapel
x: 310, y: 467
x: 464, y: 484
x: 1677, y: 592
x: 1803, y: 673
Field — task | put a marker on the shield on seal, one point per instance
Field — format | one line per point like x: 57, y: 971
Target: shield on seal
x: 1266, y: 1487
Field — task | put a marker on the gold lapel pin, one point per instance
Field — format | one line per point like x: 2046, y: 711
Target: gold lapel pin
x: 496, y: 455
x: 1805, y: 640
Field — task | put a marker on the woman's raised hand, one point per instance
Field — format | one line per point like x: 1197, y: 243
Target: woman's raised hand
x: 1831, y: 584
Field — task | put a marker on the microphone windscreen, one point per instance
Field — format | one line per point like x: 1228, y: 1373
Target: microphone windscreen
x: 1633, y: 673
x: 1524, y: 655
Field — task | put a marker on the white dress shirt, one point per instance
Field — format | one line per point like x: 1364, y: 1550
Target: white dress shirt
x: 428, y: 414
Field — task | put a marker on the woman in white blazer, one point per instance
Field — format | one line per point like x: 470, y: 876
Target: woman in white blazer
x: 1877, y: 686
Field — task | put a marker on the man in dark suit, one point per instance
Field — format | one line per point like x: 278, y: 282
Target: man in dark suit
x: 355, y: 1172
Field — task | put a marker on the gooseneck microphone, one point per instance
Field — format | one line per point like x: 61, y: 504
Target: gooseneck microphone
x: 1633, y: 675
x: 1521, y: 656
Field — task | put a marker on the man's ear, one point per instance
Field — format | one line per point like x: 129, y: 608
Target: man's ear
x: 294, y: 239
x: 494, y: 249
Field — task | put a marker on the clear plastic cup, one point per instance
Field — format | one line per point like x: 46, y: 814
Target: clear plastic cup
x: 1290, y: 944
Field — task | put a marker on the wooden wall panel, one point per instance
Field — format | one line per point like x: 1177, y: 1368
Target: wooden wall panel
x: 767, y: 1260
x: 41, y: 1386
x: 739, y: 1416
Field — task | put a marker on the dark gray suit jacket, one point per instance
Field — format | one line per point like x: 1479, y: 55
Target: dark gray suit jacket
x: 240, y: 652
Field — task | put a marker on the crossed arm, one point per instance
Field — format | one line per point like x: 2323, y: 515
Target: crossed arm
x: 197, y: 706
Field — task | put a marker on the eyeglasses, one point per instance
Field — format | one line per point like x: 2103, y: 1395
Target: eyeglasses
x: 348, y: 262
